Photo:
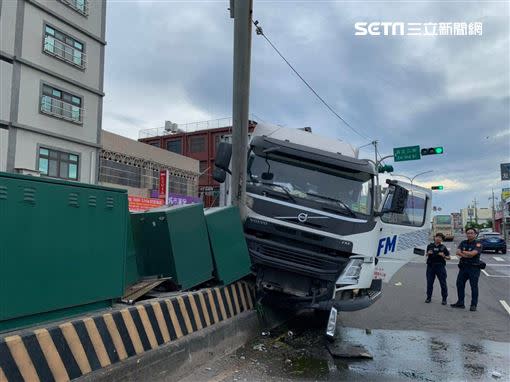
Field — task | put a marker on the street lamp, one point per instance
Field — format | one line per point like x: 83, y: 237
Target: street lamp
x: 414, y: 177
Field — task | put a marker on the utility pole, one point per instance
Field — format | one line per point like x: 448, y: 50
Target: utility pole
x: 493, y: 210
x: 241, y: 11
x: 377, y: 191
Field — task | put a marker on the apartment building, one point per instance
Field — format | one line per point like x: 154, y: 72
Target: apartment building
x: 51, y: 77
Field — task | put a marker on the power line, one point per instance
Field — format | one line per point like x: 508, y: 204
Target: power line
x: 260, y: 32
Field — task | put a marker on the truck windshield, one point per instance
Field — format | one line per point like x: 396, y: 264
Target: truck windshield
x: 346, y: 190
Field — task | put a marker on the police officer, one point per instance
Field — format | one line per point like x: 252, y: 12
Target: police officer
x: 469, y: 269
x: 437, y: 254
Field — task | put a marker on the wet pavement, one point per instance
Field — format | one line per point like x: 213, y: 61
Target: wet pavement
x: 296, y: 352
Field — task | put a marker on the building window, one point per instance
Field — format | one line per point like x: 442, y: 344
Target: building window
x: 58, y: 164
x: 64, y: 47
x: 80, y: 6
x: 174, y: 146
x: 124, y: 174
x: 61, y: 104
x: 178, y: 185
x: 197, y: 144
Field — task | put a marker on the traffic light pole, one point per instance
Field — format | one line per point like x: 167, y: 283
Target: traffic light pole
x: 241, y: 12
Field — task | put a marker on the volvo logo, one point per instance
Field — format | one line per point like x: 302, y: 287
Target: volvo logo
x: 302, y: 217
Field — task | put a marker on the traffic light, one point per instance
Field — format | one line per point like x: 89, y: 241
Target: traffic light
x: 436, y: 187
x: 432, y: 151
x: 385, y: 168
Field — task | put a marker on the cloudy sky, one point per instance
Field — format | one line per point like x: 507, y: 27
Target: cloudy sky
x: 172, y: 60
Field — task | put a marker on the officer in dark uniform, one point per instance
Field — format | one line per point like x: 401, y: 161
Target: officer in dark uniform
x: 437, y: 254
x: 469, y: 268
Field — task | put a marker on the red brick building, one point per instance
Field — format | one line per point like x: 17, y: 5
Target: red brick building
x: 196, y: 144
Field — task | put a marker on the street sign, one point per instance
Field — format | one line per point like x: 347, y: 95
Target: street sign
x: 401, y: 154
x: 505, y: 194
x: 505, y: 171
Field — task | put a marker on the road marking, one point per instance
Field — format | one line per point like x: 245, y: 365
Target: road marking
x: 498, y: 258
x: 484, y: 272
x: 505, y: 305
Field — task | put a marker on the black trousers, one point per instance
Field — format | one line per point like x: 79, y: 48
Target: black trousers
x: 438, y: 270
x: 472, y: 274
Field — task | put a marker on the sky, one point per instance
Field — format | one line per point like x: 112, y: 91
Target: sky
x: 172, y: 60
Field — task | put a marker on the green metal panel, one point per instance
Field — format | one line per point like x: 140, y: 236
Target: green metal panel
x: 230, y: 252
x: 173, y: 242
x: 63, y: 245
x: 132, y: 273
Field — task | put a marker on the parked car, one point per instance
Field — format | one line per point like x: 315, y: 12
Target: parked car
x: 492, y: 241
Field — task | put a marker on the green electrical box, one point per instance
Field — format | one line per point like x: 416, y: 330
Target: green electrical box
x: 173, y: 242
x: 132, y: 267
x: 228, y: 245
x: 62, y: 248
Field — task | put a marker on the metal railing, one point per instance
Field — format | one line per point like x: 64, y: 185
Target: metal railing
x: 64, y: 52
x: 61, y: 109
x: 189, y: 127
x: 81, y: 6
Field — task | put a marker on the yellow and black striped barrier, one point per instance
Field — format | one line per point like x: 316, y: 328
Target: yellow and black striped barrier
x: 69, y: 350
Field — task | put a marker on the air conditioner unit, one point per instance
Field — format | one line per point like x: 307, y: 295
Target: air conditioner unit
x: 27, y: 171
x: 171, y: 127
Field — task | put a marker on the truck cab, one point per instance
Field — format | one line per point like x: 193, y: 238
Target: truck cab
x: 315, y: 239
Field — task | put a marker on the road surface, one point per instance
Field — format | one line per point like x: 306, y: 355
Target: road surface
x: 408, y: 339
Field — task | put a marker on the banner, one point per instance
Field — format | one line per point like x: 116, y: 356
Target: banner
x: 163, y: 175
x: 176, y: 199
x: 505, y: 194
x: 138, y: 203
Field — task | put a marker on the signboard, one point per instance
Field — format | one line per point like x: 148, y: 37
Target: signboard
x: 505, y: 194
x: 401, y: 154
x: 138, y: 203
x: 163, y: 177
x: 505, y: 171
x: 176, y: 199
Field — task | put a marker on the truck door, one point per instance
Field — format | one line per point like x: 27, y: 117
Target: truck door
x: 403, y: 236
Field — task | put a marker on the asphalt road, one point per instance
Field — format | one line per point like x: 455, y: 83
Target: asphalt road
x: 402, y: 305
x: 408, y: 339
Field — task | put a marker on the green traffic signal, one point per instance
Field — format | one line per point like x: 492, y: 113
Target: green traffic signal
x: 385, y: 168
x: 436, y: 187
x: 432, y: 150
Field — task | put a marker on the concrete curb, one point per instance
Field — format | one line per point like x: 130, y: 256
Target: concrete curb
x: 174, y: 360
x: 62, y: 352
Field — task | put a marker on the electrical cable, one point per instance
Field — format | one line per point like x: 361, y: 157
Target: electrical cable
x: 260, y: 32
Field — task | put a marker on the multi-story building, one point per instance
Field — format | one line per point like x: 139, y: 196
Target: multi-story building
x: 51, y: 74
x: 137, y: 167
x: 457, y: 220
x: 197, y: 140
x: 480, y: 216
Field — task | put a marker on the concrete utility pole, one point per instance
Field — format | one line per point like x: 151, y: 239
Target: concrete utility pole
x: 377, y: 191
x: 241, y: 12
x: 493, y: 210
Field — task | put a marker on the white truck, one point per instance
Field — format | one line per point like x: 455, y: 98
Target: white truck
x: 315, y: 239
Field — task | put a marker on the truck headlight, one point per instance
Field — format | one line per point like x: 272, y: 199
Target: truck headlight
x: 351, y: 273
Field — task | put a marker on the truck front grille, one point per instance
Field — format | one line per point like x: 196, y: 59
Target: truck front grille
x: 289, y: 257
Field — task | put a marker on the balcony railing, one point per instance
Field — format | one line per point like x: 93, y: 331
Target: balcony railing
x: 80, y: 6
x: 61, y: 109
x: 64, y: 52
x: 189, y: 127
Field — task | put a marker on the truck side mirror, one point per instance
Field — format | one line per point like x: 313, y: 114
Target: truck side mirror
x: 399, y: 200
x: 223, y: 155
x: 219, y: 175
